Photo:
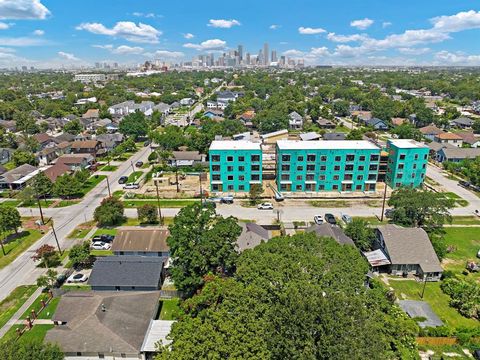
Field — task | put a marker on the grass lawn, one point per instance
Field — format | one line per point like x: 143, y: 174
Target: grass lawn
x: 170, y: 309
x: 91, y: 183
x: 43, y: 203
x: 78, y: 233
x: 329, y: 203
x: 46, y: 313
x: 164, y: 203
x: 458, y: 200
x: 435, y: 297
x: 72, y: 287
x: 18, y: 245
x: 105, y: 231
x: 101, y: 252
x: 134, y: 176
x: 36, y: 333
x: 118, y: 194
x: 65, y: 203
x: 466, y: 220
x: 14, y: 301
x: 466, y: 243
x: 13, y: 203
x: 373, y: 220
x: 109, y: 168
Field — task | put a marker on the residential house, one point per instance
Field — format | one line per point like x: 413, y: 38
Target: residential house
x: 92, y: 324
x: 295, y: 120
x: 63, y: 148
x: 102, y: 123
x: 162, y: 108
x: 141, y: 241
x: 247, y: 117
x: 187, y: 102
x: 45, y: 140
x: 214, y: 114
x: 470, y: 138
x: 310, y: 136
x: 186, y: 158
x: 76, y: 161
x: 430, y: 131
x: 376, y: 123
x: 325, y: 123
x: 252, y: 235
x: 128, y: 107
x: 5, y: 155
x: 273, y: 137
x: 9, y: 126
x: 54, y: 171
x: 226, y: 96
x: 455, y: 154
x: 449, y: 138
x: 110, y: 141
x: 46, y: 156
x: 18, y: 178
x: 334, y: 136
x: 361, y: 115
x: 462, y: 122
x: 396, y: 121
x: 409, y: 251
x: 127, y: 273
x: 91, y: 115
x: 91, y: 147
x: 334, y: 232
x: 65, y: 137
x: 112, y: 128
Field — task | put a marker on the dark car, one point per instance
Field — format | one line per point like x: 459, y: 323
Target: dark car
x: 476, y: 354
x: 139, y: 164
x: 103, y: 238
x: 146, y: 143
x: 123, y: 179
x: 465, y: 184
x: 330, y: 219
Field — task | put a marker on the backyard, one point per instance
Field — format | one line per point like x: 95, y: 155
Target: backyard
x: 14, y: 301
x: 170, y: 309
x: 464, y: 243
x: 15, y: 244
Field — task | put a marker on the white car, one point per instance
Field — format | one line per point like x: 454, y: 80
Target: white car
x: 318, y: 219
x: 77, y: 278
x: 100, y: 245
x: 265, y: 206
x: 131, y: 186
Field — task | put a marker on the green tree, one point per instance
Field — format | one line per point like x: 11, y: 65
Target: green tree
x: 341, y: 108
x: 451, y: 113
x: 66, y: 186
x: 148, y: 213
x: 47, y: 255
x: 201, y: 242
x: 48, y: 280
x: 361, y: 233
x: 109, y: 212
x: 79, y: 254
x: 255, y: 191
x: 355, y: 134
x: 73, y: 127
x: 25, y: 122
x: 42, y: 185
x: 134, y: 125
x: 20, y: 157
x: 82, y: 175
x: 407, y: 131
x: 30, y: 350
x: 476, y: 127
x: 10, y: 219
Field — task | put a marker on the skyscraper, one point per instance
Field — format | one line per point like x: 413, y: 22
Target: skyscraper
x: 266, y: 54
x: 240, y: 52
x: 274, y: 55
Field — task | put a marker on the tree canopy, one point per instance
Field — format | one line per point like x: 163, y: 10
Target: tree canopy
x: 134, y: 125
x: 109, y: 212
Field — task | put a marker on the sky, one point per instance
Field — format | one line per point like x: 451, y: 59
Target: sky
x: 54, y: 33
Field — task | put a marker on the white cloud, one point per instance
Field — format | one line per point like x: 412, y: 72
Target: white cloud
x: 39, y: 32
x: 67, y: 56
x: 310, y: 31
x: 4, y: 26
x: 106, y: 47
x: 362, y: 24
x: 127, y: 50
x: 145, y: 15
x: 414, y: 51
x: 169, y: 54
x: 188, y: 36
x: 457, y: 58
x: 212, y: 44
x: 346, y: 38
x: 141, y: 33
x: 21, y: 41
x: 23, y: 9
x: 222, y: 23
x: 461, y: 21
x: 386, y: 24
x: 293, y: 53
x: 274, y: 27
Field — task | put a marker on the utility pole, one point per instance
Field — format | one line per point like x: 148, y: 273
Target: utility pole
x: 201, y: 190
x: 424, y: 285
x: 108, y: 187
x: 384, y: 198
x: 56, y: 239
x: 176, y: 176
x: 40, y: 208
x: 160, y: 218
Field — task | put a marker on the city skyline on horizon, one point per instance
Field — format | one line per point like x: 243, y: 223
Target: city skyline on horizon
x: 37, y: 33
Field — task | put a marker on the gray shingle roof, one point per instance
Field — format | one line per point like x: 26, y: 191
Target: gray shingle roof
x: 252, y: 235
x: 141, y: 239
x: 460, y: 153
x: 409, y: 246
x: 331, y: 231
x: 127, y: 270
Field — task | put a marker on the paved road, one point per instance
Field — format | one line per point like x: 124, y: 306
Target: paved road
x: 23, y: 270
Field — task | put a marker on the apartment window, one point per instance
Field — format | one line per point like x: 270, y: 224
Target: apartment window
x: 422, y: 175
x: 350, y: 157
x: 285, y: 167
x: 285, y: 177
x: 230, y: 187
x: 360, y: 177
x: 374, y: 157
x: 283, y: 187
x: 255, y: 158
x: 241, y: 158
x: 336, y: 177
x: 299, y: 177
x: 255, y: 167
x: 399, y: 176
x: 336, y: 168
x: 241, y: 178
x: 424, y: 166
x: 402, y: 156
x: 216, y: 177
x: 323, y: 158
x: 416, y: 156
x: 413, y: 176
x: 321, y: 187
x: 285, y: 158
x: 300, y: 168
x: 229, y: 158
x: 323, y: 168
x: 361, y: 168
x: 372, y: 177
x: 348, y: 177
x: 215, y: 187
x: 358, y: 187
x: 349, y: 167
x: 215, y: 167
x: 338, y: 158
x: 398, y: 184
x: 300, y: 158
x: 255, y: 177
x: 230, y: 177
x: 321, y: 177
x: 299, y: 187
x: 241, y: 168
x: 414, y: 166
x: 335, y: 187
x: 215, y: 157
x: 229, y: 168
x: 425, y: 157
x: 362, y: 158
x: 311, y: 157
x: 310, y: 167
x: 401, y: 166
x: 310, y: 177
x: 373, y: 167
x: 241, y: 187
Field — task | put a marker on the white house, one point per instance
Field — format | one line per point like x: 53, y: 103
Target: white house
x: 295, y: 121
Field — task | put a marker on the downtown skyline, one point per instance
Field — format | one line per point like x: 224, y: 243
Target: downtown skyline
x: 45, y: 33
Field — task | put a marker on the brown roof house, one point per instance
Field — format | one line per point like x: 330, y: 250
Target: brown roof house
x: 141, y: 241
x: 430, y: 131
x: 470, y: 138
x: 91, y: 147
x: 54, y: 171
x: 91, y: 114
x: 186, y: 158
x: 95, y: 324
x: 19, y: 177
x: 76, y: 161
x: 449, y: 138
x: 409, y: 251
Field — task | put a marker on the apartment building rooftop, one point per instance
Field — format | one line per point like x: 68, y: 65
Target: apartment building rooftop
x: 407, y: 143
x: 326, y: 145
x: 234, y: 145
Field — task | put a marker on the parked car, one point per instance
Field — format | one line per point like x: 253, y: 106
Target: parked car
x: 104, y: 237
x: 346, y: 218
x: 265, y: 206
x: 318, y: 219
x: 100, y: 245
x: 131, y: 186
x: 146, y: 143
x: 139, y: 164
x: 77, y: 278
x: 465, y: 184
x: 123, y: 179
x: 478, y: 254
x: 227, y: 199
x: 330, y: 219
x: 389, y: 213
x: 61, y: 278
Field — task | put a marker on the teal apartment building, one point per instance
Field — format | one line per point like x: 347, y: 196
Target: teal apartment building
x: 407, y: 163
x: 342, y: 166
x: 234, y: 165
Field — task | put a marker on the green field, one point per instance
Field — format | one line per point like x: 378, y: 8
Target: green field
x: 101, y: 252
x: 466, y: 220
x: 105, y: 231
x: 435, y: 297
x: 170, y: 309
x: 465, y: 242
x: 36, y: 333
x: 14, y: 301
x: 13, y: 203
x: 78, y: 233
x: 18, y: 245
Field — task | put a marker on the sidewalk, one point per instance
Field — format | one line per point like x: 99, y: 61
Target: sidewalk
x: 16, y: 317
